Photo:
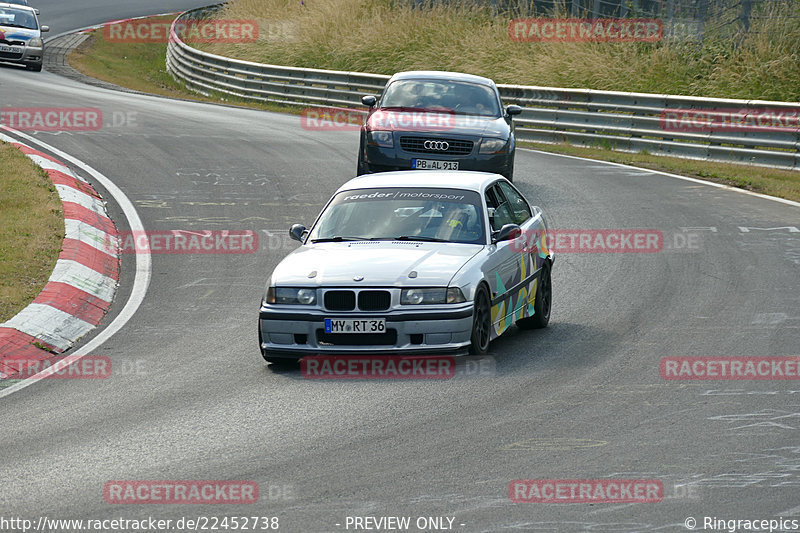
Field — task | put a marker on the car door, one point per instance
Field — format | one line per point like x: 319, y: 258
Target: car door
x: 529, y: 250
x: 503, y: 266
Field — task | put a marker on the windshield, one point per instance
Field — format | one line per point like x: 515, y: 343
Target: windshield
x: 457, y: 97
x: 412, y: 214
x: 17, y: 18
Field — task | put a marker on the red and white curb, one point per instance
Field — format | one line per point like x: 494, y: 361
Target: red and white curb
x: 84, y: 280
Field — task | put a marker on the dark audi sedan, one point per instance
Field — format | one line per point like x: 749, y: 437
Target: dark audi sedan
x: 430, y: 120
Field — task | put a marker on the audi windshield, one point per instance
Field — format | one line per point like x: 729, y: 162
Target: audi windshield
x: 453, y: 97
x: 411, y: 214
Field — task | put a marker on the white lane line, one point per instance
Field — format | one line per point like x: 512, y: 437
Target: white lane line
x: 140, y: 283
x: 678, y: 176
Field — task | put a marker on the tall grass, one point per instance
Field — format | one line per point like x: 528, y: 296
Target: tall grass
x: 385, y: 36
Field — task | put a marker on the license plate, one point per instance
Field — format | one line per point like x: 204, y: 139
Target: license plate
x: 11, y: 49
x: 355, y: 325
x: 432, y: 164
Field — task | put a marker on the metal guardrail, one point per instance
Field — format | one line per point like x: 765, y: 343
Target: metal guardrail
x: 621, y: 121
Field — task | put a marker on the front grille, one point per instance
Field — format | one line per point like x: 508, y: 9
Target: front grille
x: 417, y: 145
x: 389, y: 338
x: 12, y: 43
x: 374, y: 300
x: 10, y: 55
x: 340, y: 300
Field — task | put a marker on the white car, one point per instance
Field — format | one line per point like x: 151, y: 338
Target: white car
x: 410, y: 263
x: 21, y: 39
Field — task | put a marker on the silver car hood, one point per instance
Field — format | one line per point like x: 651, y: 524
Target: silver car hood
x: 381, y: 263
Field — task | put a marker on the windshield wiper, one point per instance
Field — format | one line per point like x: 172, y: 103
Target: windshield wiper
x: 418, y: 238
x: 339, y: 238
x: 17, y: 26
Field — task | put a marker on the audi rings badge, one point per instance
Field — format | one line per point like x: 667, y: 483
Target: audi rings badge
x: 441, y: 146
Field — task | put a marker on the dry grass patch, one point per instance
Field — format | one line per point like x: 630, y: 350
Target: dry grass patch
x: 385, y: 36
x: 31, y: 230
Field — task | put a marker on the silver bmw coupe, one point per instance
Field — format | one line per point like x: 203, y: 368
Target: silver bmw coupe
x: 408, y: 262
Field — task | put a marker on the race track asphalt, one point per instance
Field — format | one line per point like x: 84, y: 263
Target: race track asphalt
x: 583, y: 399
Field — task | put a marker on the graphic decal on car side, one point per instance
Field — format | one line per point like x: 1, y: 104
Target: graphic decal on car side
x: 521, y: 304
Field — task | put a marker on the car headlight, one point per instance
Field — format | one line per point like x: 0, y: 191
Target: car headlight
x: 35, y: 43
x: 493, y: 146
x: 291, y: 296
x: 452, y: 295
x: 380, y: 138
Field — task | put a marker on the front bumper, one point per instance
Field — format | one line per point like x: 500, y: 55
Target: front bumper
x: 380, y: 159
x: 297, y: 333
x: 29, y: 56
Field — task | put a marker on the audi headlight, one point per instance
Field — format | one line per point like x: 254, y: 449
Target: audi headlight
x: 380, y: 138
x: 35, y: 43
x: 493, y: 146
x: 442, y: 295
x: 291, y: 296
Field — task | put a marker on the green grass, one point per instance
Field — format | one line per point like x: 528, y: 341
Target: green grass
x: 138, y: 66
x: 31, y: 230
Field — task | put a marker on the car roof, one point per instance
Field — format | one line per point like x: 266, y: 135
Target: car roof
x: 20, y: 6
x: 441, y: 75
x: 459, y: 179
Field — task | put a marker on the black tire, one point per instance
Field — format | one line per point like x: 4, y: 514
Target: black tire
x: 543, y: 302
x: 34, y: 68
x: 481, y: 323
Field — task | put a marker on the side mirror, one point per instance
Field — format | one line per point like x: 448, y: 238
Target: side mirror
x: 508, y: 232
x: 36, y: 10
x: 45, y: 29
x: 513, y: 110
x: 369, y: 100
x: 297, y: 232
